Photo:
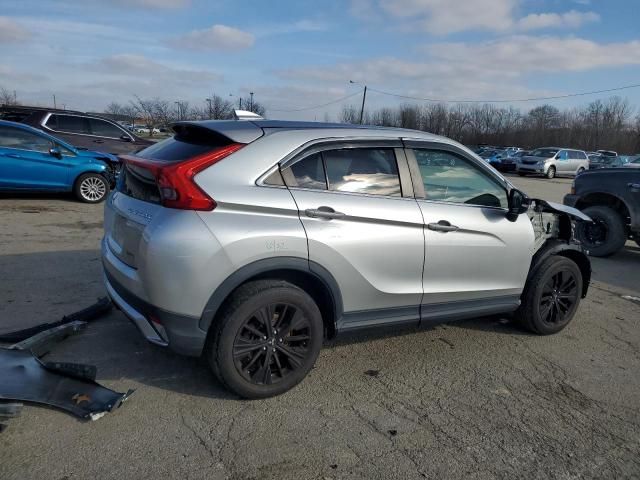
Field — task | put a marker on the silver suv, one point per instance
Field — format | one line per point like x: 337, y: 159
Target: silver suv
x: 251, y: 242
x: 551, y: 161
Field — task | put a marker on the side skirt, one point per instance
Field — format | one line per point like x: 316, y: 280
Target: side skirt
x: 427, y: 314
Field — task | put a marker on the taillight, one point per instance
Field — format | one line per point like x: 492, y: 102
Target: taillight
x: 175, y: 180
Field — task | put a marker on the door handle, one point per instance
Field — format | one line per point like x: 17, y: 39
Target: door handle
x: 13, y: 155
x: 442, y: 226
x: 98, y: 141
x: 634, y: 186
x: 323, y: 212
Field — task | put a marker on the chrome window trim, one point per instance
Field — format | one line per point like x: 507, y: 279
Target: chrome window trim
x: 44, y: 121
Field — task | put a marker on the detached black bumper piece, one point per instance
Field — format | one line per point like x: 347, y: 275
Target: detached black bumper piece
x: 61, y: 385
x: 24, y: 377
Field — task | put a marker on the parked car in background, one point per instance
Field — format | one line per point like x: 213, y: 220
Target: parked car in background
x: 611, y: 197
x: 511, y: 151
x: 634, y: 162
x: 33, y: 161
x: 322, y: 201
x: 501, y: 160
x: 147, y: 130
x: 607, y: 153
x: 599, y: 160
x: 76, y: 128
x: 552, y: 161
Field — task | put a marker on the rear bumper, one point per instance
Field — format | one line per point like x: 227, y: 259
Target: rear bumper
x: 178, y: 332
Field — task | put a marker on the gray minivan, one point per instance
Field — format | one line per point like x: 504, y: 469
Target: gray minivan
x: 552, y: 161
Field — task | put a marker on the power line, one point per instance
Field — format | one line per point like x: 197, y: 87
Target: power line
x: 535, y: 99
x: 316, y: 106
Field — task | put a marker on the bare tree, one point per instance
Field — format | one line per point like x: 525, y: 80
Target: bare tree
x: 8, y: 97
x: 154, y: 112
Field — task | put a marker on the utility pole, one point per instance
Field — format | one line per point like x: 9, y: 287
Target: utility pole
x: 251, y: 105
x: 179, y: 110
x: 364, y: 99
x: 240, y: 103
x: 54, y: 101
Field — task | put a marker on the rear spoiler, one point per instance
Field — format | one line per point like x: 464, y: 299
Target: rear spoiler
x: 232, y: 131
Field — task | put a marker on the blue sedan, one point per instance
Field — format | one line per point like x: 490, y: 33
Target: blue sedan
x: 33, y: 161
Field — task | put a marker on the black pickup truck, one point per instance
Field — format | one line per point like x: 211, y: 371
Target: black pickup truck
x: 611, y: 197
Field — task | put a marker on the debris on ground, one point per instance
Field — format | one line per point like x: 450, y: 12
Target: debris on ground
x: 25, y: 377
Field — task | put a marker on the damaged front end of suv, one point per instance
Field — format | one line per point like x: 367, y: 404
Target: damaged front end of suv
x: 554, y: 226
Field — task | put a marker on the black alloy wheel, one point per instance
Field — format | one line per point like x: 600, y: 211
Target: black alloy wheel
x: 559, y: 296
x: 266, y: 338
x: 272, y: 344
x: 551, y: 296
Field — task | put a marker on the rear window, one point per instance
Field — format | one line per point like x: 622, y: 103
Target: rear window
x: 188, y: 142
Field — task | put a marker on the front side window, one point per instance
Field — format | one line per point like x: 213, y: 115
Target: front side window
x: 104, y: 129
x: 448, y: 177
x: 23, y: 140
x: 373, y: 171
x: 67, y: 123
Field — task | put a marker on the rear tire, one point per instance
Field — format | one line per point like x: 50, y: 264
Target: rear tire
x: 551, y: 172
x: 266, y: 339
x: 606, y: 235
x: 551, y: 296
x: 522, y: 174
x: 580, y: 171
x: 91, y: 188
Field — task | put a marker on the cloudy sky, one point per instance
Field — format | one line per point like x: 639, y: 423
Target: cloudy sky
x: 302, y: 53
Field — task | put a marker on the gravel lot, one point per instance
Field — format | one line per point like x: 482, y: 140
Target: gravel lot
x: 474, y: 399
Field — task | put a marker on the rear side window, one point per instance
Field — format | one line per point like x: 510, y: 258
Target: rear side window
x: 373, y: 171
x: 104, y: 129
x: 68, y: 123
x: 309, y: 173
x: 187, y: 143
x: 23, y: 140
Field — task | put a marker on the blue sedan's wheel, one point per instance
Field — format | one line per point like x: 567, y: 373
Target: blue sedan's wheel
x: 91, y: 188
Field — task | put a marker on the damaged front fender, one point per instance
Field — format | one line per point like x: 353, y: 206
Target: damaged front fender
x: 554, y: 229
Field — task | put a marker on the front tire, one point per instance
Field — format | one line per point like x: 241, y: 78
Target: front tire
x: 266, y: 339
x: 551, y: 296
x: 91, y: 188
x: 551, y: 172
x: 522, y: 174
x: 605, y: 235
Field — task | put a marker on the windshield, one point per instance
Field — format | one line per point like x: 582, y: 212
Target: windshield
x: 544, y: 152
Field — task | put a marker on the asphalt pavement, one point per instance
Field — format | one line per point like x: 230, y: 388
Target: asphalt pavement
x: 474, y: 399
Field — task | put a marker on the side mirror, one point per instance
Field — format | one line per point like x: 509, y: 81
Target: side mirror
x: 125, y: 138
x: 518, y: 203
x: 55, y: 152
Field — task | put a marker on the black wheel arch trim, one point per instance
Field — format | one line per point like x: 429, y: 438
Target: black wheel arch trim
x: 572, y: 251
x: 263, y: 267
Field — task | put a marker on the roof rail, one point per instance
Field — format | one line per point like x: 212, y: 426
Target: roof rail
x: 246, y: 115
